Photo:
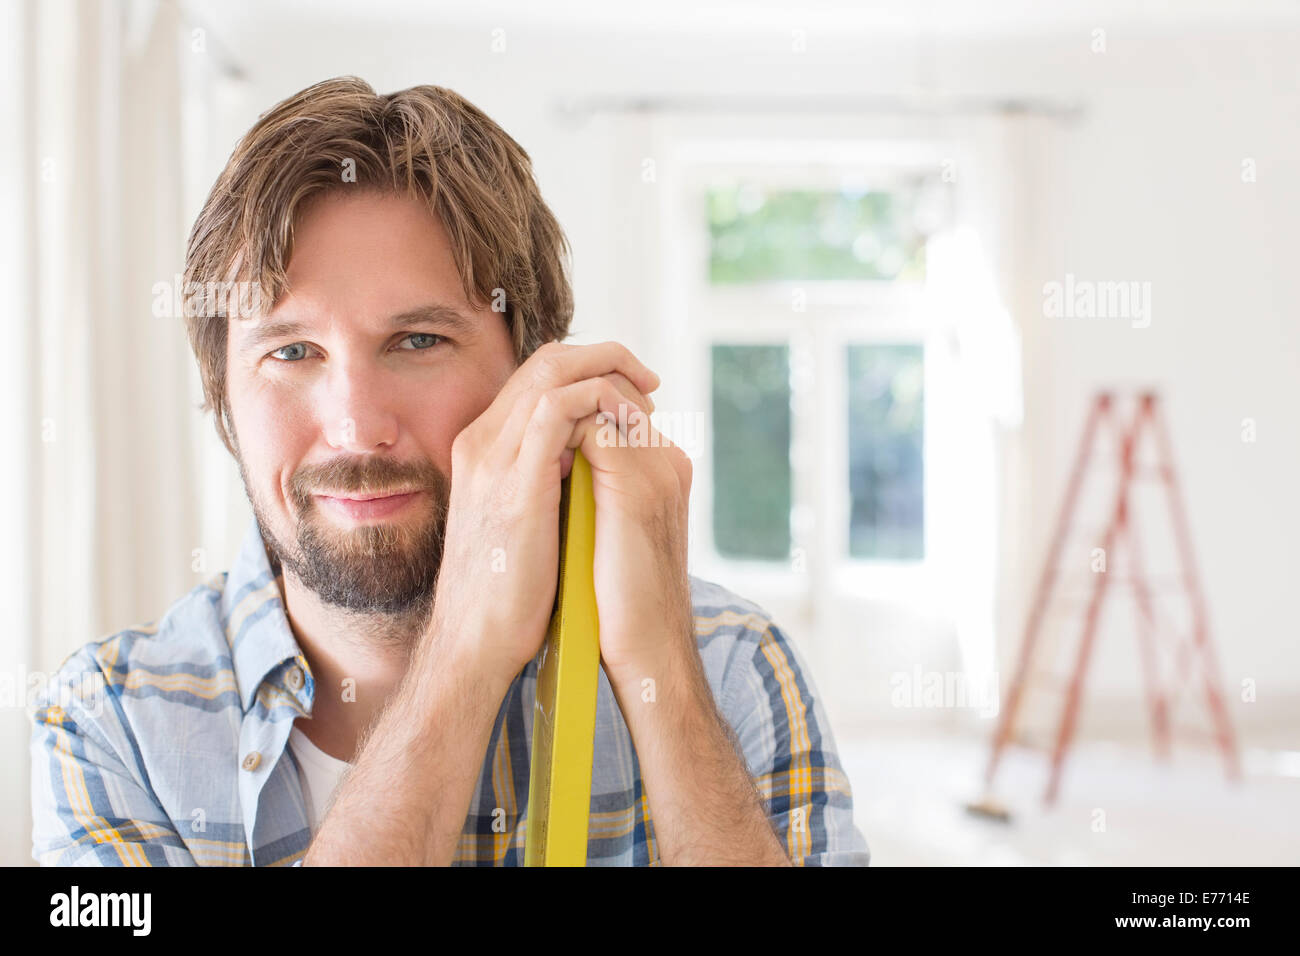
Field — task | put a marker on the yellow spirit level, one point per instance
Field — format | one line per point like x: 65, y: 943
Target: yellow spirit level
x: 564, y: 716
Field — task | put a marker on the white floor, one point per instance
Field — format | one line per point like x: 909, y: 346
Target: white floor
x: 1117, y: 806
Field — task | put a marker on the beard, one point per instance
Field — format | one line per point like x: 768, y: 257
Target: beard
x: 387, y: 567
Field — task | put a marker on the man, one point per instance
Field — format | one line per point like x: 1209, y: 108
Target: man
x: 359, y: 688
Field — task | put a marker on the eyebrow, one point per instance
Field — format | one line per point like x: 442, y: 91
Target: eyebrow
x: 444, y: 315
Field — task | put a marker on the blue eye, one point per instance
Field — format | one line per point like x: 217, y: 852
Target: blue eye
x: 295, y: 345
x: 428, y: 339
x: 434, y: 339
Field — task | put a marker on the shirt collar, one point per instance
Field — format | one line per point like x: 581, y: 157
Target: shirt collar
x: 257, y: 627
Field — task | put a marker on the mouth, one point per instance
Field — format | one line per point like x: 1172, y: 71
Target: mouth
x: 356, y: 506
x: 366, y: 496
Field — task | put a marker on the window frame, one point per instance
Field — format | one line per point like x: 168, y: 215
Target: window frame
x: 836, y: 313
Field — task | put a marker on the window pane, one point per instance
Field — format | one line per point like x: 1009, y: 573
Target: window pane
x: 758, y: 235
x: 751, y: 451
x: 886, y: 402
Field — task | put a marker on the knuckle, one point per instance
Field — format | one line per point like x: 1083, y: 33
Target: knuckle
x: 470, y: 447
x: 547, y: 403
x: 548, y: 366
x: 625, y: 352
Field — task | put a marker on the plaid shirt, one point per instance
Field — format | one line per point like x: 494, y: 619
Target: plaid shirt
x: 166, y: 745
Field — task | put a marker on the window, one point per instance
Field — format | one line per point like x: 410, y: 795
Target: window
x: 844, y: 234
x: 828, y: 313
x: 751, y: 451
x: 816, y: 352
x: 886, y: 415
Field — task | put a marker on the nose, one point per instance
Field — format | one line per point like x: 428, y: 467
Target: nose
x: 356, y: 407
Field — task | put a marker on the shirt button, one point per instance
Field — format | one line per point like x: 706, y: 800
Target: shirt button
x: 295, y: 678
x: 252, y: 760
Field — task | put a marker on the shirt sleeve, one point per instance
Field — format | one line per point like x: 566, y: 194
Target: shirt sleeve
x: 771, y: 702
x: 89, y: 806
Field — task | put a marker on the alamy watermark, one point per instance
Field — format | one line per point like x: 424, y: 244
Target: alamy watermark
x: 32, y: 689
x: 1088, y: 299
x: 129, y: 910
x: 945, y: 690
x: 632, y: 428
x: 180, y: 299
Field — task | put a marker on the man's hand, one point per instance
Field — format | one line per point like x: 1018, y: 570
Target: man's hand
x: 641, y: 484
x: 496, y: 586
x: 685, y: 749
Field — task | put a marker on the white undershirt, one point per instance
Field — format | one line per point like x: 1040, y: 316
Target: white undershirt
x: 320, y: 775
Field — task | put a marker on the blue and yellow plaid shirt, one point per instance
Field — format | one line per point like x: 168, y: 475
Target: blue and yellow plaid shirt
x: 166, y: 745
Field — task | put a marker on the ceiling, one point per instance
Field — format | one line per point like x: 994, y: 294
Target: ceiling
x: 958, y: 17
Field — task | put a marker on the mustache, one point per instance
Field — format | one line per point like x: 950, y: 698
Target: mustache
x: 366, y: 476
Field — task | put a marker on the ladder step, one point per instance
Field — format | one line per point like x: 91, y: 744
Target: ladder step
x: 1047, y: 679
x: 1164, y: 584
x: 1154, y: 472
x: 1153, y: 581
x: 1071, y: 606
x: 1141, y: 470
x: 1193, y: 733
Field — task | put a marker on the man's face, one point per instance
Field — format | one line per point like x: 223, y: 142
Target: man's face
x: 364, y: 399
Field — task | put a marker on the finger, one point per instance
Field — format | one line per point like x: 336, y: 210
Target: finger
x: 632, y: 448
x: 624, y: 385
x: 555, y: 365
x: 630, y: 391
x: 548, y: 429
x: 677, y: 457
x: 512, y: 432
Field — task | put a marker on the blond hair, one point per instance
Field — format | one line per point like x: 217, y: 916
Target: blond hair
x: 426, y: 142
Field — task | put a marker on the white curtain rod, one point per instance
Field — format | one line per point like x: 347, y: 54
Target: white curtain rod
x: 919, y: 104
